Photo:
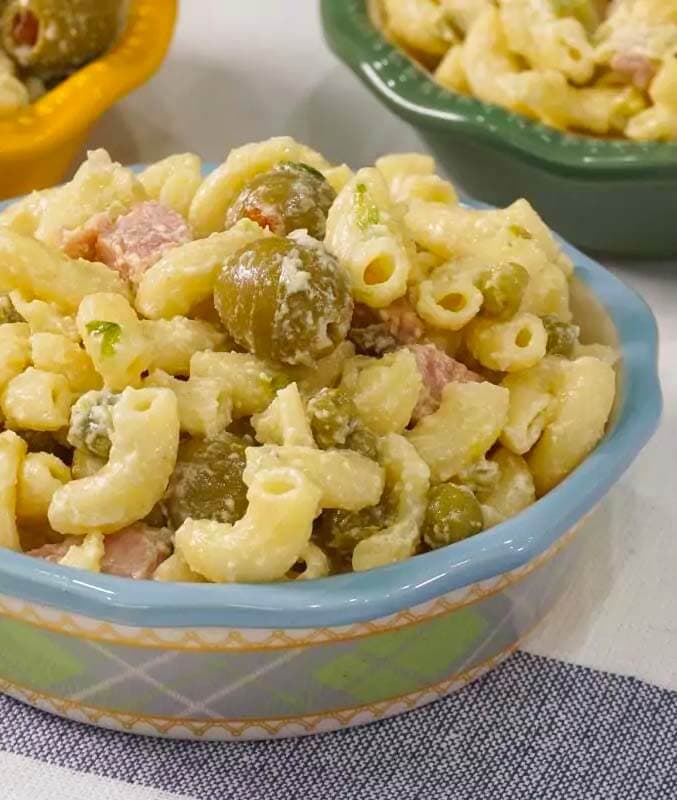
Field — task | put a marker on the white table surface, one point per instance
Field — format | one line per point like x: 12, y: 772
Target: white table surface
x: 243, y: 71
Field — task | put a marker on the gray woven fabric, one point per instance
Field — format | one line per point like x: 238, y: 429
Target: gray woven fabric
x: 534, y: 729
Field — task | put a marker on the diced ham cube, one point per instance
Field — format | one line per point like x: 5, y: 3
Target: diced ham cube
x: 82, y: 242
x: 637, y: 67
x: 134, y: 552
x: 437, y: 370
x: 402, y: 321
x: 138, y: 239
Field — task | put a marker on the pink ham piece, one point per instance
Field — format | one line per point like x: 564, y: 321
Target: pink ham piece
x: 636, y: 67
x: 134, y: 552
x: 132, y: 243
x: 402, y: 321
x: 437, y: 370
x: 138, y: 239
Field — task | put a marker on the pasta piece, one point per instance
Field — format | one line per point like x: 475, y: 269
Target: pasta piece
x: 100, y: 185
x: 468, y: 422
x: 601, y: 351
x: 175, y: 569
x: 43, y: 272
x: 52, y: 352
x: 337, y: 177
x: 250, y: 383
x: 408, y: 479
x: 37, y: 400
x: 12, y: 452
x: 266, y: 542
x: 531, y: 405
x: 316, y: 563
x: 204, y: 404
x: 514, y: 490
x: 145, y: 441
x: 366, y: 234
x: 386, y: 392
x: 515, y: 233
x: 45, y: 317
x: 508, y: 346
x: 15, y: 350
x: 173, y: 181
x: 85, y: 463
x: 396, y: 166
x: 284, y: 422
x: 184, y: 277
x: 87, y: 555
x: 345, y: 478
x: 546, y: 40
x: 463, y: 13
x: 221, y: 187
x: 450, y: 72
x: 547, y: 293
x: 419, y: 25
x: 41, y: 474
x: 13, y: 94
x: 114, y: 340
x: 584, y: 395
x: 659, y: 122
x: 448, y: 301
x: 413, y: 175
x: 173, y: 342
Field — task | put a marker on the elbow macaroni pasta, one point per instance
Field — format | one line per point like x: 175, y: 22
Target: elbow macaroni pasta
x: 442, y: 374
x: 590, y: 66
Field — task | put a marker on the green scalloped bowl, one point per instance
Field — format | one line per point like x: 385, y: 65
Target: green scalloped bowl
x: 612, y: 196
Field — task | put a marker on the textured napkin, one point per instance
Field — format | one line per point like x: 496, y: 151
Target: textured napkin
x: 533, y: 729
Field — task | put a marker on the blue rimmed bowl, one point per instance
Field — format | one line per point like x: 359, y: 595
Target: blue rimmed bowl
x: 614, y: 196
x: 257, y: 661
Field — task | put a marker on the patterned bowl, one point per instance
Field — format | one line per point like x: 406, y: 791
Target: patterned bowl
x: 39, y: 142
x: 605, y: 195
x: 245, y: 661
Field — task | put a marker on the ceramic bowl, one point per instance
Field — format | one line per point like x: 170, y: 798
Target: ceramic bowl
x: 38, y: 143
x: 615, y: 196
x: 274, y: 660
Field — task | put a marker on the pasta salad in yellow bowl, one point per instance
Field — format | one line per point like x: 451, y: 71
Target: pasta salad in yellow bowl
x: 282, y: 371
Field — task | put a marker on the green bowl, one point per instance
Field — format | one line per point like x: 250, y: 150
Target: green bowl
x: 613, y: 196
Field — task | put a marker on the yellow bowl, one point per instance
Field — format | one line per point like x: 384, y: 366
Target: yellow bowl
x: 39, y: 142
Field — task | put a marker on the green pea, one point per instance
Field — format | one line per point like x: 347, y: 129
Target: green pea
x: 331, y: 413
x: 562, y: 336
x: 503, y: 288
x: 364, y: 442
x: 453, y: 514
x: 342, y: 530
x: 207, y: 480
x: 91, y: 423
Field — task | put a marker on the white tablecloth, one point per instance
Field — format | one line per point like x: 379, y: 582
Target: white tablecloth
x: 243, y: 71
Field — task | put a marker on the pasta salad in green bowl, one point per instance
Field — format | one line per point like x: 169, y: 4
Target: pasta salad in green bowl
x: 292, y: 406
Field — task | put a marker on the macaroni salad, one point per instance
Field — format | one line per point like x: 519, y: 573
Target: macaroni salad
x: 602, y: 67
x: 284, y: 370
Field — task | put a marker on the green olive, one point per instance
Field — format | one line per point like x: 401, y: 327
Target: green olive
x: 289, y: 197
x: 332, y: 417
x: 341, y: 530
x: 207, y: 480
x: 503, y: 288
x: 453, y: 514
x: 562, y: 336
x: 7, y: 311
x: 91, y: 424
x: 284, y: 301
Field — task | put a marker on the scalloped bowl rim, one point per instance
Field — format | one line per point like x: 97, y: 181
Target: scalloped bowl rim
x: 355, y: 597
x: 365, y: 50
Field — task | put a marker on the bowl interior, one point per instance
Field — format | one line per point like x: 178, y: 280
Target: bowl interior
x: 609, y: 312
